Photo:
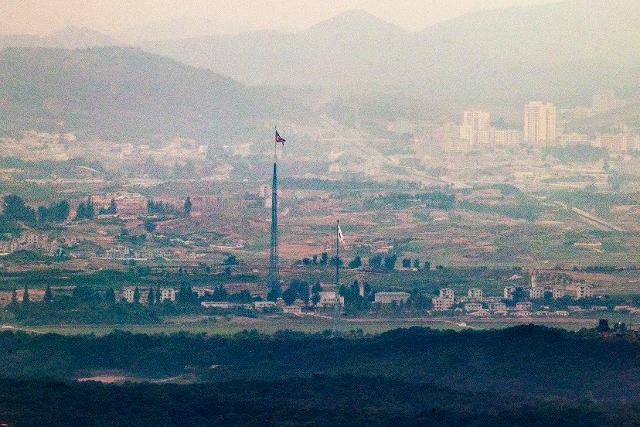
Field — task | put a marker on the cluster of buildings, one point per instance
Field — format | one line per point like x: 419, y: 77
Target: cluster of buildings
x: 32, y: 145
x: 29, y: 241
x: 540, y: 127
x: 543, y: 126
x: 476, y: 303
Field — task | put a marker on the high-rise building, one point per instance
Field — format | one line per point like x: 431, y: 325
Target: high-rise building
x: 476, y: 127
x: 505, y: 136
x: 540, y: 123
x: 605, y: 100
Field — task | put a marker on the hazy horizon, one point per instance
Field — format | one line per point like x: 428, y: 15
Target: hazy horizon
x: 134, y: 19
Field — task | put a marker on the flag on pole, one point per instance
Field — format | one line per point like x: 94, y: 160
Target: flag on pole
x: 279, y: 138
x: 340, y: 235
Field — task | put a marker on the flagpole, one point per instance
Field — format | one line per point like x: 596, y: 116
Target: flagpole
x: 275, y: 147
x: 337, y: 255
x: 336, y: 307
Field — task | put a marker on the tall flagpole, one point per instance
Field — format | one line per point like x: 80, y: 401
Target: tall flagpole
x: 336, y: 309
x: 274, y: 279
x: 337, y: 255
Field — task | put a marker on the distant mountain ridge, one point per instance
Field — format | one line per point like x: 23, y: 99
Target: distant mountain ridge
x: 71, y: 37
x: 468, y: 58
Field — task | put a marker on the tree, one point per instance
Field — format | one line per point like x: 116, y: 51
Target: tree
x: 48, y: 295
x: 356, y: 262
x: 25, y: 297
x: 231, y: 260
x: 151, y: 296
x: 242, y: 297
x: 85, y: 210
x: 390, y: 262
x: 375, y: 262
x: 112, y: 209
x: 136, y: 296
x: 150, y: 226
x: 406, y: 263
x: 14, y: 297
x: 220, y: 294
x: 289, y: 295
x: 336, y: 261
x: 603, y: 325
x: 427, y: 266
x: 274, y: 292
x: 416, y: 263
x: 110, y: 296
x: 324, y: 258
x: 187, y: 206
x: 14, y: 209
x: 315, y: 293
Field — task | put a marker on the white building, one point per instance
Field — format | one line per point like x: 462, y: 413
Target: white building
x: 523, y: 306
x: 536, y: 293
x: 508, y: 292
x: 558, y: 292
x: 296, y: 310
x: 441, y: 304
x: 329, y: 298
x: 506, y: 136
x: 584, y: 291
x: 201, y: 292
x: 498, y: 307
x: 472, y: 307
x: 217, y: 304
x: 475, y: 293
x: 447, y: 293
x: 476, y: 127
x: 605, y: 100
x: 391, y: 297
x: 167, y: 294
x: 128, y: 294
x: 262, y: 305
x: 540, y: 123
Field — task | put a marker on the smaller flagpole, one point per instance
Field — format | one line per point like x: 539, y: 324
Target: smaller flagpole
x: 336, y: 307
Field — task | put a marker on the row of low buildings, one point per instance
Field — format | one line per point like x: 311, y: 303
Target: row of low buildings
x: 476, y: 301
x: 327, y: 298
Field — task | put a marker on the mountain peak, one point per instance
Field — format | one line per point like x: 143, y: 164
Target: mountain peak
x: 356, y: 21
x: 75, y: 37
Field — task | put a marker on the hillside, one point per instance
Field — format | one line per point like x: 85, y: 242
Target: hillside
x: 557, y: 51
x: 118, y: 92
x: 344, y: 49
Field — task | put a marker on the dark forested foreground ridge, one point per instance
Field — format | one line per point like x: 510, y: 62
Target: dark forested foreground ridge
x: 319, y: 400
x: 525, y: 375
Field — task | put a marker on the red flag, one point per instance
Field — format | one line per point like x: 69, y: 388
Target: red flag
x: 279, y: 138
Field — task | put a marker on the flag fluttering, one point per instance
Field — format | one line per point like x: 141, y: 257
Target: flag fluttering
x: 340, y: 235
x: 279, y: 138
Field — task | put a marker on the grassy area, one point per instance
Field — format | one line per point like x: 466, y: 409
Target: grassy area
x: 230, y: 326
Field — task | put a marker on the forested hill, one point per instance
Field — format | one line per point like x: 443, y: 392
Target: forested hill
x: 117, y: 92
x: 525, y: 375
x: 527, y: 360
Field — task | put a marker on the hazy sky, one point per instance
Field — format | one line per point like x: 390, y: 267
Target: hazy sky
x: 117, y: 16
